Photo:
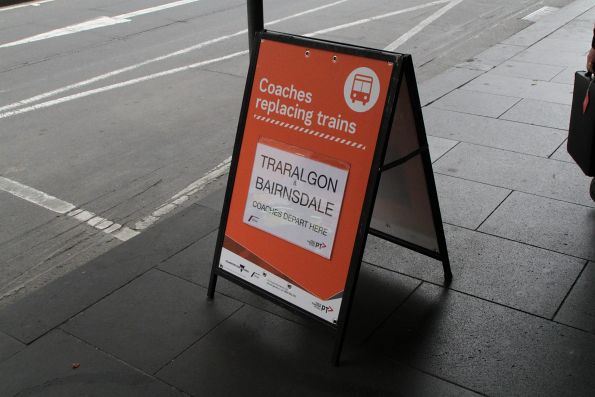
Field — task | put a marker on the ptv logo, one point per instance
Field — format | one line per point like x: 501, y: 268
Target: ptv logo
x: 253, y: 219
x: 317, y: 244
x: 322, y: 308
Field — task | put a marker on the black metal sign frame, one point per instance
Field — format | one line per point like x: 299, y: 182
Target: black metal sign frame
x: 403, y: 68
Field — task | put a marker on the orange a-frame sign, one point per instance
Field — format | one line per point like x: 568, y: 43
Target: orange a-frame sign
x: 310, y: 149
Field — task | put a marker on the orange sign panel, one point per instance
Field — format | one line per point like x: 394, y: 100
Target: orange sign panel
x: 309, y: 138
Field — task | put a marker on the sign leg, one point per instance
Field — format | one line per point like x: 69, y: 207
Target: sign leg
x: 447, y: 271
x: 442, y: 242
x: 336, y: 358
x: 212, y: 285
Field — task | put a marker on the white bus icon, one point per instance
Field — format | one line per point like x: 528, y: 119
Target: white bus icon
x: 361, y: 88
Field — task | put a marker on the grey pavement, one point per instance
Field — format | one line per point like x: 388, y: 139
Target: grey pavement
x: 517, y: 319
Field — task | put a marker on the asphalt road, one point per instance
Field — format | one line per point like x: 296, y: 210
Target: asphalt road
x: 113, y: 107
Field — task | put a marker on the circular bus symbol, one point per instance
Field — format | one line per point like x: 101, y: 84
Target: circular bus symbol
x: 361, y: 89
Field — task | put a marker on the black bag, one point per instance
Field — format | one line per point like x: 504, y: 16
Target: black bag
x: 581, y: 133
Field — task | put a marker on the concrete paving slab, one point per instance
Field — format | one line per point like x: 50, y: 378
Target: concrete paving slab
x: 576, y: 32
x: 546, y: 114
x: 467, y: 203
x: 439, y: 146
x: 523, y: 88
x: 567, y: 39
x: 566, y: 76
x: 544, y: 177
x: 489, y: 348
x: 440, y: 85
x: 9, y: 347
x: 378, y: 294
x: 47, y: 368
x: 378, y: 291
x: 216, y: 198
x: 194, y: 264
x: 578, y: 309
x: 588, y: 16
x: 549, y: 56
x: 562, y: 154
x: 151, y: 320
x: 485, y: 131
x: 549, y: 24
x: 478, y: 103
x: 45, y: 309
x: 473, y: 64
x: 498, y: 270
x: 265, y: 354
x: 492, y: 57
x: 527, y: 70
x: 546, y: 223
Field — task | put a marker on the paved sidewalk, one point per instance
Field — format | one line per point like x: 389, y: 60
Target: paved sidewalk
x: 518, y: 319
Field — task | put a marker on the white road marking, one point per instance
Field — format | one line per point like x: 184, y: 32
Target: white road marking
x: 377, y: 17
x: 34, y: 4
x: 96, y: 23
x: 151, y: 10
x: 119, y: 85
x: 81, y: 27
x: 62, y: 207
x: 186, y: 50
x: 113, y: 73
x: 419, y: 27
x: 35, y: 196
x: 82, y: 215
x: 540, y: 13
x: 182, y: 196
x: 125, y: 234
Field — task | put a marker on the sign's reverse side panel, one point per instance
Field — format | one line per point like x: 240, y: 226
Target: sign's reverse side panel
x: 403, y: 208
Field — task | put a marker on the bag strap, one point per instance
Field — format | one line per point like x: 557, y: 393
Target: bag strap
x: 587, y: 94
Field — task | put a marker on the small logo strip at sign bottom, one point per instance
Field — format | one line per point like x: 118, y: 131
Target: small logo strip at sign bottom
x: 310, y: 132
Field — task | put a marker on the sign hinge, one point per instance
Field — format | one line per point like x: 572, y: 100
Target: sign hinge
x: 403, y: 159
